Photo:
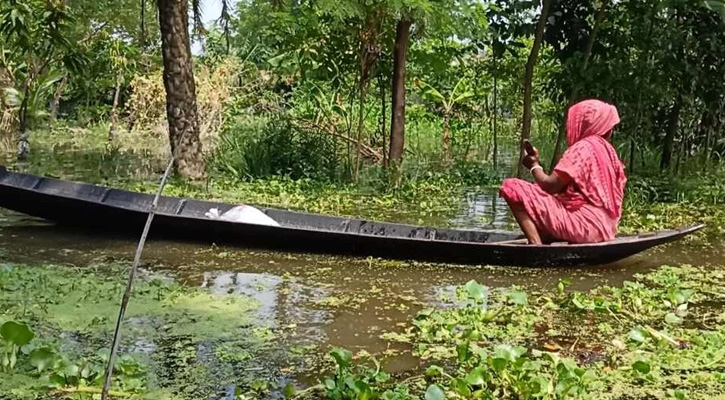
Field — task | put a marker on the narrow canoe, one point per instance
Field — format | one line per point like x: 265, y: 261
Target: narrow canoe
x: 108, y: 209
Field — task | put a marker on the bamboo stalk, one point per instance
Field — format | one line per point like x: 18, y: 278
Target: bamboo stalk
x: 131, y: 277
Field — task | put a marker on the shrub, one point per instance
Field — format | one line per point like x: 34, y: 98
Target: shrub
x: 255, y: 147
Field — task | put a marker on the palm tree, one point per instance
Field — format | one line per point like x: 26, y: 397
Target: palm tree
x: 181, y: 110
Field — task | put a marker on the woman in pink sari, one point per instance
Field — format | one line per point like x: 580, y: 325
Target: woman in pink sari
x: 581, y: 200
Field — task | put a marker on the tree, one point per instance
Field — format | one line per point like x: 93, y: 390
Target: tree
x: 178, y: 76
x: 397, y: 119
x: 528, y: 77
x: 35, y: 48
x: 369, y: 33
x: 121, y: 62
x: 458, y: 95
x: 566, y: 24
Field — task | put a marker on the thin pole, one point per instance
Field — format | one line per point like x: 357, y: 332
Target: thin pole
x: 131, y: 277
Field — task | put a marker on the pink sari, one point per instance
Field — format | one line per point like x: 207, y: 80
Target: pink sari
x: 589, y: 209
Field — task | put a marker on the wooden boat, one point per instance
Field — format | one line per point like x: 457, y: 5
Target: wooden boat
x: 118, y: 210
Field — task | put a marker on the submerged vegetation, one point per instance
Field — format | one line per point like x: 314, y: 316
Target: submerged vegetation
x: 57, y: 321
x: 659, y: 335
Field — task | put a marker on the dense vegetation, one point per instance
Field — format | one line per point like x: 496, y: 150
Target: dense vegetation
x: 326, y: 90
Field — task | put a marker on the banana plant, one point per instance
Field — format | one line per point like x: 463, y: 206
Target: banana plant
x: 34, y: 41
x: 459, y: 95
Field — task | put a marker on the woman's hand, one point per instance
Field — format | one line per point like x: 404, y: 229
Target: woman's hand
x: 531, y: 159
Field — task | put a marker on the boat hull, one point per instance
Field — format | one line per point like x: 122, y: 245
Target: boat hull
x: 112, y: 210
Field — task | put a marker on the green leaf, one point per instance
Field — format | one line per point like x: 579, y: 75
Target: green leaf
x: 462, y: 350
x: 637, y: 335
x: 673, y: 319
x: 562, y: 285
x: 363, y: 391
x: 57, y: 380
x: 517, y: 297
x: 289, y: 391
x: 499, y: 363
x: 72, y: 370
x: 434, y: 392
x: 476, y: 291
x: 477, y: 377
x: 17, y: 334
x: 342, y: 357
x: 276, y: 61
x: 575, y: 300
x: 431, y: 93
x: 508, y: 352
x: 642, y: 367
x: 42, y: 358
x: 461, y: 387
x: 541, y: 386
x: 434, y: 370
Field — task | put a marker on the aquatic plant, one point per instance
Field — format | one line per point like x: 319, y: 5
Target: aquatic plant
x: 15, y: 336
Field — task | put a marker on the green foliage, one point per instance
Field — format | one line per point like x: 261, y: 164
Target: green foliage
x: 261, y: 147
x: 58, y: 371
x: 15, y: 336
x: 63, y: 355
x: 36, y: 47
x: 636, y: 340
x: 358, y: 381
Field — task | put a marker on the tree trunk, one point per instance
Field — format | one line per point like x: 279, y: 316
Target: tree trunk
x: 23, y: 141
x: 528, y: 78
x: 114, y: 109
x: 382, y: 82
x: 494, y: 111
x: 643, y: 67
x: 361, y: 120
x: 368, y: 55
x: 397, y: 122
x: 56, y: 100
x: 142, y: 36
x: 672, y: 124
x: 180, y: 88
x: 575, y: 91
x: 706, y: 130
x: 446, y: 138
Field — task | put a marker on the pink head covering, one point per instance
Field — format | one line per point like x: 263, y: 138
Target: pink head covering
x: 590, y: 118
x: 591, y: 161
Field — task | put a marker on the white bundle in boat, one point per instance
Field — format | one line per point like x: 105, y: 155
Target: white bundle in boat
x: 242, y: 213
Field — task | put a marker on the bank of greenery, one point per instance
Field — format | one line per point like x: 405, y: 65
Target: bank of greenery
x: 422, y: 193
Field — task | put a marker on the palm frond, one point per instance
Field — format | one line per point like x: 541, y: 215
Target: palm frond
x: 197, y: 13
x: 224, y: 20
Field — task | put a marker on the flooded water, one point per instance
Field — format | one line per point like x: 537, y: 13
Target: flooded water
x: 321, y: 300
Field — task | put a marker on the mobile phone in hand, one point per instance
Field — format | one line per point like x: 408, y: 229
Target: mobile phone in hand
x: 528, y: 147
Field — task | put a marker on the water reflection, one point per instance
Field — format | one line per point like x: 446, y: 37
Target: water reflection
x: 483, y: 210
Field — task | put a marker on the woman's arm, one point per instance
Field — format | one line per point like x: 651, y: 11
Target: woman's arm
x: 551, y: 183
